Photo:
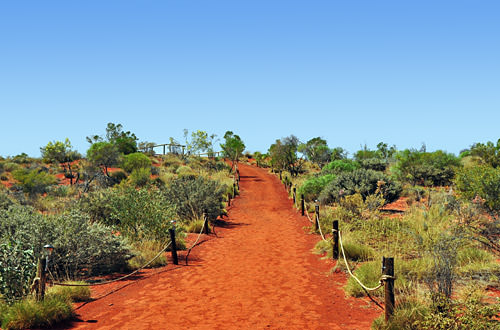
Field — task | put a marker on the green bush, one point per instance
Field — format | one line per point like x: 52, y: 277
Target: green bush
x: 16, y: 270
x: 79, y: 293
x: 369, y: 274
x: 426, y: 168
x: 135, y: 161
x: 193, y: 195
x: 136, y: 213
x: 312, y: 187
x: 118, y: 176
x: 144, y: 252
x: 408, y: 313
x: 80, y: 246
x: 140, y: 177
x: 375, y: 164
x: 340, y: 165
x: 480, y: 181
x: 34, y: 181
x: 364, y: 182
x: 11, y: 167
x: 28, y: 314
x: 5, y: 200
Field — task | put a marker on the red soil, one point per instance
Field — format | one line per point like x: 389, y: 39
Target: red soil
x: 257, y: 273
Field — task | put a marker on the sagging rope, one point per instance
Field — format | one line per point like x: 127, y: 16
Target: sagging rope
x: 116, y: 279
x: 205, y: 223
x: 382, y: 279
x: 307, y: 213
x: 320, y: 231
x: 311, y: 221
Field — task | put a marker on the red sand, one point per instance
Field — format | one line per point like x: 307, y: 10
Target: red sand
x: 258, y: 273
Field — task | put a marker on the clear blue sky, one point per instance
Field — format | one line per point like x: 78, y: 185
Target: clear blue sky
x: 352, y: 72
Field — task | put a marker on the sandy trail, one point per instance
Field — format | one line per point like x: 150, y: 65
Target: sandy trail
x: 258, y: 273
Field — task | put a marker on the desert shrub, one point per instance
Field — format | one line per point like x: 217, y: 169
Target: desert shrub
x: 408, y: 313
x: 340, y: 165
x: 196, y: 226
x: 358, y: 252
x: 5, y: 200
x: 480, y: 181
x: 425, y: 168
x: 185, y: 171
x: 193, y: 195
x: 375, y: 164
x: 369, y: 274
x: 135, y: 161
x: 4, y: 177
x: 10, y: 166
x: 22, y: 158
x: 469, y: 312
x: 16, y: 270
x: 78, y: 244
x: 364, y: 182
x: 34, y: 181
x: 78, y: 293
x: 312, y: 187
x: 118, y: 176
x: 489, y: 153
x: 144, y: 252
x: 29, y: 314
x: 135, y: 213
x: 140, y: 177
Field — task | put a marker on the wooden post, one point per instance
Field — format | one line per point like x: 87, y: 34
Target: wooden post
x: 234, y: 189
x: 173, y: 246
x: 281, y: 179
x: 388, y: 269
x: 42, y: 276
x: 316, y: 223
x: 335, y: 232
x: 206, y: 222
x: 294, y: 195
x: 228, y: 199
x: 302, y: 204
x: 164, y: 149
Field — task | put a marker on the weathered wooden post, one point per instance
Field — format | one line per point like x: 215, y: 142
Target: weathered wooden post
x: 388, y: 271
x: 316, y: 211
x: 173, y: 245
x: 294, y: 195
x: 205, y: 216
x: 229, y: 199
x: 281, y: 179
x: 302, y: 204
x: 42, y: 278
x: 335, y: 235
x: 234, y: 190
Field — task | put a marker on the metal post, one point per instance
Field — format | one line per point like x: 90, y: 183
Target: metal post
x: 388, y: 270
x: 335, y: 233
x: 173, y: 246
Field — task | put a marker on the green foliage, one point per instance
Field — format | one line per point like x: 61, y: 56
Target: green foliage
x: 340, y: 165
x: 78, y: 244
x: 312, y: 187
x: 338, y: 153
x: 376, y: 164
x: 316, y: 150
x: 136, y: 213
x: 29, y: 314
x: 283, y: 155
x: 196, y: 226
x: 135, y: 161
x: 364, y: 182
x: 407, y: 314
x: 124, y: 142
x: 103, y: 154
x: 200, y: 142
x: 11, y: 166
x: 368, y: 273
x: 145, y: 251
x: 140, y: 177
x: 16, y: 270
x: 426, y: 168
x: 79, y: 293
x: 480, y: 181
x: 193, y: 195
x: 5, y: 200
x: 233, y: 146
x: 489, y: 153
x: 34, y: 181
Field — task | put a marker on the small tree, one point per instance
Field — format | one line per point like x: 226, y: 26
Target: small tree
x: 125, y: 142
x: 283, y: 155
x: 135, y: 161
x: 103, y: 154
x: 62, y: 153
x: 489, y: 152
x: 316, y: 150
x: 200, y: 142
x: 233, y: 147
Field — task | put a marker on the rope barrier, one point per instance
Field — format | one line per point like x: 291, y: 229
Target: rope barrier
x: 353, y: 276
x: 307, y: 213
x: 197, y: 239
x: 116, y: 279
x: 321, y: 232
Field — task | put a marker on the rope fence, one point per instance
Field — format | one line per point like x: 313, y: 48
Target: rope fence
x: 205, y: 223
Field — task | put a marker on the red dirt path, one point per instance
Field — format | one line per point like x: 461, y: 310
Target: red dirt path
x: 258, y: 273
